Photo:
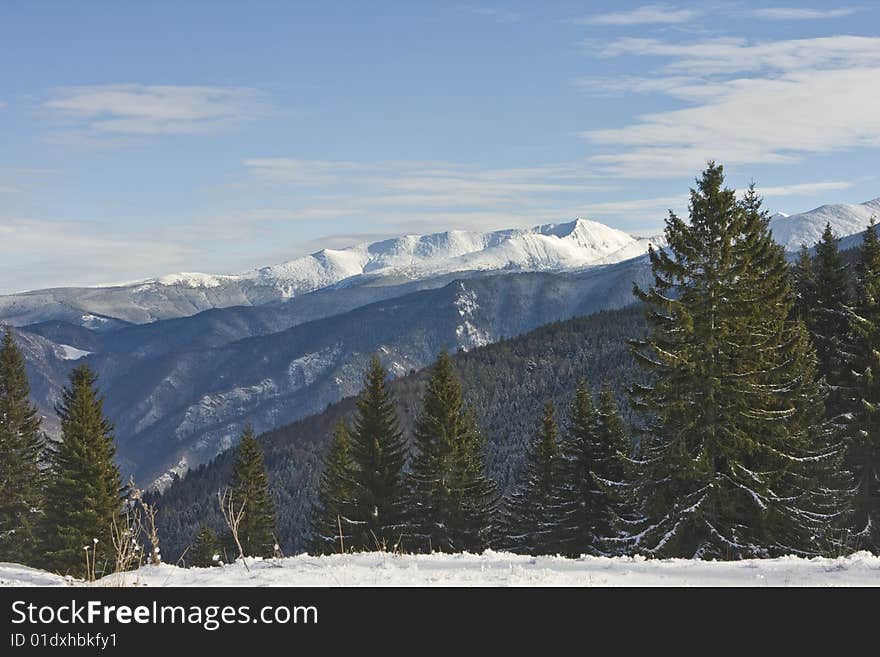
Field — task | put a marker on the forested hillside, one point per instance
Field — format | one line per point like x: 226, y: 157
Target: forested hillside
x: 506, y: 383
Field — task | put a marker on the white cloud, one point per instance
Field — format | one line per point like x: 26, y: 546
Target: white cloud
x: 233, y: 226
x: 802, y: 13
x: 135, y: 109
x: 306, y: 173
x: 23, y: 179
x: 803, y: 189
x: 426, y: 179
x: 734, y: 55
x: 803, y: 96
x: 36, y: 253
x: 648, y: 14
x: 499, y: 15
x: 655, y: 207
x: 417, y: 196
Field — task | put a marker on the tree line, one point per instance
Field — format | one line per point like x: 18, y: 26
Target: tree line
x: 59, y: 500
x: 756, y: 436
x: 63, y: 505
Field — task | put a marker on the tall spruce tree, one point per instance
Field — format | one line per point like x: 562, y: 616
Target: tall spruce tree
x: 739, y: 463
x: 863, y: 447
x: 828, y: 320
x: 591, y: 487
x: 532, y: 524
x: 336, y: 491
x: 206, y: 547
x: 377, y: 510
x: 21, y: 454
x: 804, y: 281
x: 618, y: 473
x: 580, y: 503
x: 451, y: 500
x: 83, y: 495
x: 250, y: 487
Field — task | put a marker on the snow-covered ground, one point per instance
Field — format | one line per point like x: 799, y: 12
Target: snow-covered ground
x: 489, y: 569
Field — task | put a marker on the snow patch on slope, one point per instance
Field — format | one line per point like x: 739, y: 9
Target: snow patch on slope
x: 66, y: 352
x: 213, y: 408
x: 468, y: 334
x: 305, y: 370
x: 194, y: 279
x: 171, y: 475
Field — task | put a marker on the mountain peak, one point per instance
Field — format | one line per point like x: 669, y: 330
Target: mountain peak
x: 572, y: 244
x: 807, y: 227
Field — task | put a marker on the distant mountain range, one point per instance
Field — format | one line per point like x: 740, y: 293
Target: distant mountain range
x: 552, y: 247
x: 186, y: 360
x: 180, y: 391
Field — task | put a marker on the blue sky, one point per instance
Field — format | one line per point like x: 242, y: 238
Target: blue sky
x: 144, y: 138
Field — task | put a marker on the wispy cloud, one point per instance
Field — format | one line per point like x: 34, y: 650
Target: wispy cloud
x: 736, y: 55
x: 68, y: 253
x: 237, y: 225
x: 661, y: 14
x: 22, y: 179
x: 803, y: 189
x: 412, y: 186
x: 499, y: 15
x: 802, y: 13
x: 419, y: 196
x: 136, y: 109
x: 425, y: 177
x: 764, y: 102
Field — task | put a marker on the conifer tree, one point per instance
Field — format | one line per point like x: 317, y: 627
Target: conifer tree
x: 21, y: 453
x: 83, y: 495
x: 739, y: 463
x: 206, y: 547
x: 828, y: 320
x: 863, y: 448
x: 451, y: 498
x: 376, y: 511
x: 804, y: 281
x: 591, y: 487
x: 579, y: 503
x: 618, y: 473
x: 330, y: 526
x: 250, y: 487
x: 532, y: 524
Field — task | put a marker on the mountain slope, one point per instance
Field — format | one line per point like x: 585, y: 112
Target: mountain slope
x: 506, y: 383
x: 806, y: 228
x: 193, y: 403
x: 551, y: 247
x: 179, y: 390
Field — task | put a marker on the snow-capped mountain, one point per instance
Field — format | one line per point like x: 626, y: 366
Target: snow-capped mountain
x: 551, y: 247
x: 278, y: 343
x: 183, y: 389
x: 792, y: 231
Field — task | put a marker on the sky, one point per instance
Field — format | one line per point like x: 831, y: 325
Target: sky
x: 142, y: 138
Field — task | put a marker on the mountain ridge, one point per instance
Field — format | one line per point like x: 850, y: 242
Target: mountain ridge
x: 793, y: 231
x: 548, y: 247
x: 565, y: 246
